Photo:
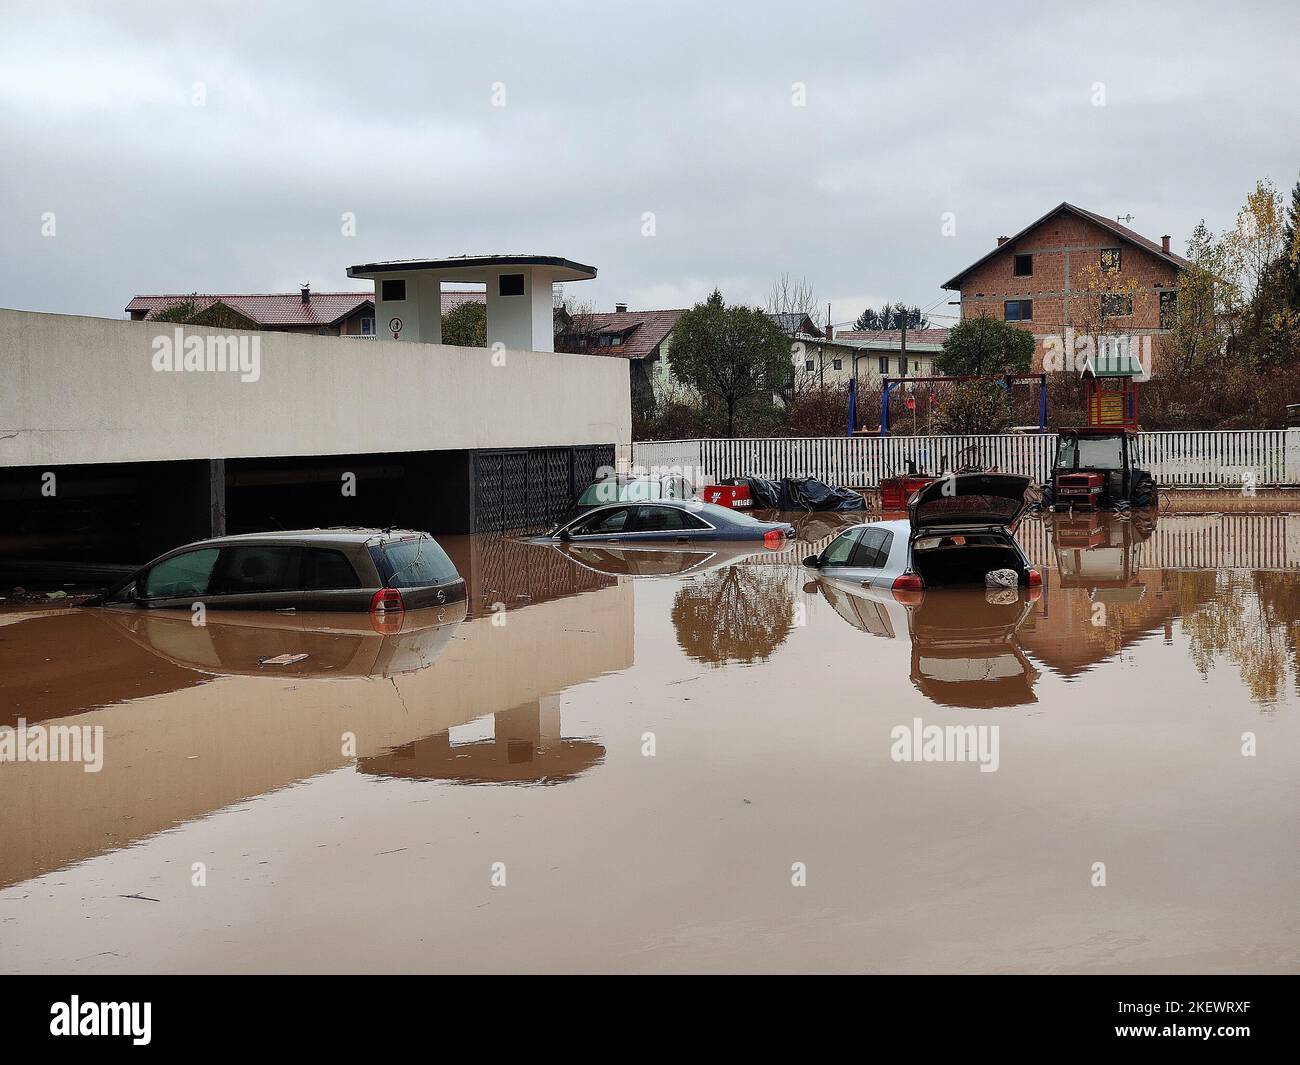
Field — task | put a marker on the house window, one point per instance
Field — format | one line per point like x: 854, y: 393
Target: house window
x: 1024, y: 266
x: 1110, y: 260
x: 367, y: 327
x: 809, y: 365
x: 884, y: 365
x: 1168, y: 309
x: 510, y: 285
x: 1018, y: 310
x: 916, y: 365
x: 837, y: 364
x: 1116, y: 306
x: 393, y: 290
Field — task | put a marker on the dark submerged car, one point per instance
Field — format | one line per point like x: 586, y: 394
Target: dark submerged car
x: 671, y: 521
x: 376, y: 570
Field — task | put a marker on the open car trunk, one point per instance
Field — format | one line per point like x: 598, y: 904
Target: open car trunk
x: 955, y: 558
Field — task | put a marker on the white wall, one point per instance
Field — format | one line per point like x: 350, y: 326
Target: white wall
x: 81, y: 390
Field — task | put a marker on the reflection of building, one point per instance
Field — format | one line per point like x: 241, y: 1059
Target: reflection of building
x: 526, y: 747
x: 181, y: 744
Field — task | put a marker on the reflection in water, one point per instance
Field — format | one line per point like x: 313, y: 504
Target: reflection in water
x: 738, y: 614
x: 965, y: 645
x: 1251, y: 619
x: 195, y: 720
x: 526, y: 748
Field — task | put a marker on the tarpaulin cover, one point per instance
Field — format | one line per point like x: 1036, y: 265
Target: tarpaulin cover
x: 800, y: 493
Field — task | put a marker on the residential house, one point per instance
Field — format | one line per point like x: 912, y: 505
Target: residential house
x: 888, y: 353
x: 322, y: 313
x: 644, y: 338
x: 1075, y: 270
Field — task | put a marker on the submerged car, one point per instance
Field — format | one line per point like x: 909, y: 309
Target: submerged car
x: 376, y: 570
x: 656, y: 559
x: 958, y: 530
x: 673, y: 521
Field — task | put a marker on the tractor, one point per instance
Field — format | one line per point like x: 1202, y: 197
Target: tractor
x: 1095, y: 467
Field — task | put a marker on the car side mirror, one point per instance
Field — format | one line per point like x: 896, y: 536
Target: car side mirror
x: 811, y: 561
x: 564, y: 534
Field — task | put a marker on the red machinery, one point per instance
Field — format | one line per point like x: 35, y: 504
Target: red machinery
x: 735, y: 496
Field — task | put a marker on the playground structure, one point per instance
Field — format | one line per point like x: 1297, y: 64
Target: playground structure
x: 905, y: 384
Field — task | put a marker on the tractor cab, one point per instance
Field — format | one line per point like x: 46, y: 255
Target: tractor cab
x: 1096, y: 467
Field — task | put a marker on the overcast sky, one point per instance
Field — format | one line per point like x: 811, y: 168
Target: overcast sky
x: 215, y: 147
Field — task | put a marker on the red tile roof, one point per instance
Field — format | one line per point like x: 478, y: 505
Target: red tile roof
x: 287, y: 308
x: 268, y: 309
x: 894, y: 337
x: 1123, y: 232
x: 648, y: 329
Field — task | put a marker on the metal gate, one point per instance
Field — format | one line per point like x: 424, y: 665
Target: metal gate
x: 528, y: 488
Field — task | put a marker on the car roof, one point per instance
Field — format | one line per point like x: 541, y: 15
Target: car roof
x: 694, y: 506
x: 895, y: 525
x: 341, y: 535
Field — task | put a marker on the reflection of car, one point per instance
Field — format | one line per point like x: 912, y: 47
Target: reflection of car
x: 685, y: 521
x: 965, y: 648
x: 957, y: 530
x: 314, y: 569
x: 654, y: 560
x: 301, y: 645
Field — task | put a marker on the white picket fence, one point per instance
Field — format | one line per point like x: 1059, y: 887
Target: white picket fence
x: 1209, y: 459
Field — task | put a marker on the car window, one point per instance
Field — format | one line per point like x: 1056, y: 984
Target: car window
x: 839, y: 550
x: 325, y: 569
x: 413, y: 563
x: 186, y: 574
x: 649, y: 518
x: 256, y: 568
x: 872, y: 550
x: 605, y: 521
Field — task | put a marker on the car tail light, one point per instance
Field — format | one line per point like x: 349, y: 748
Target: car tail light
x: 774, y: 538
x: 387, y: 600
x: 909, y: 589
x: 387, y: 611
x: 1033, y: 578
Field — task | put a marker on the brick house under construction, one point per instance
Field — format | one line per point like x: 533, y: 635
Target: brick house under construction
x: 1073, y: 268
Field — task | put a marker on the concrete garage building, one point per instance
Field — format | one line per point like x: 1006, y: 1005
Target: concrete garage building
x: 113, y: 450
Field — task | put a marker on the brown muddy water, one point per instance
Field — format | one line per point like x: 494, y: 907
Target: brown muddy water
x: 679, y: 761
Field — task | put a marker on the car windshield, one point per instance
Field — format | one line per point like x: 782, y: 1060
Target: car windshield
x: 1092, y: 453
x: 613, y: 491
x: 413, y: 563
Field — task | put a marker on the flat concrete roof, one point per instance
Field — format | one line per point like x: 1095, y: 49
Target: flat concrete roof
x: 478, y: 267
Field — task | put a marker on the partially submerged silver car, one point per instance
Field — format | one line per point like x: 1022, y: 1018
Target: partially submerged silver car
x: 958, y: 530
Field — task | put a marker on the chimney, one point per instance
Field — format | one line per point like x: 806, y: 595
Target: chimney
x: 620, y: 308
x: 1002, y: 240
x: 306, y: 292
x: 1164, y: 244
x: 830, y: 331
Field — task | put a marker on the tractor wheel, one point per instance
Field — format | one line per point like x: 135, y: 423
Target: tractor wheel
x: 1145, y: 495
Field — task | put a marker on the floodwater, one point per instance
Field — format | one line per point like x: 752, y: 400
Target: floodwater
x: 680, y: 761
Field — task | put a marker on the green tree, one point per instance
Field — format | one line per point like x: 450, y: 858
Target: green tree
x: 986, y: 345
x: 216, y: 315
x: 730, y: 356
x: 973, y: 407
x: 892, y: 316
x: 466, y: 326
